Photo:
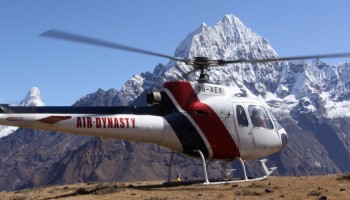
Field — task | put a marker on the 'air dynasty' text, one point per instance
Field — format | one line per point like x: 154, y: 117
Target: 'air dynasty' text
x: 106, y: 122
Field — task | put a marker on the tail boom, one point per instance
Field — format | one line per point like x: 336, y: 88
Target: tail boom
x: 138, y: 128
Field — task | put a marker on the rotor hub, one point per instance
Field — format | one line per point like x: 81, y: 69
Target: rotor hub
x: 202, y: 63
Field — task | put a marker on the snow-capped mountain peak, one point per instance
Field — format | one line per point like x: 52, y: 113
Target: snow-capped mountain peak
x: 274, y: 81
x: 32, y: 98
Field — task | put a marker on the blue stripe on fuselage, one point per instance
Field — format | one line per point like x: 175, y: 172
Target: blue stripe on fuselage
x: 188, y: 135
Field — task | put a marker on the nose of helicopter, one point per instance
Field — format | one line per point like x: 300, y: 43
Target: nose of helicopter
x: 284, y: 139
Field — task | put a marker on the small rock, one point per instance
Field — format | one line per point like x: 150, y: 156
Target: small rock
x: 342, y: 189
x: 323, y: 198
x: 314, y: 193
x: 269, y: 190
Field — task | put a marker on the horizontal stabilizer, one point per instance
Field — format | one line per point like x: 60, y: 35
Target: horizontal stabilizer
x: 54, y: 119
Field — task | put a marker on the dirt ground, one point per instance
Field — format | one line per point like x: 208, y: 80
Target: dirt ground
x: 304, y: 187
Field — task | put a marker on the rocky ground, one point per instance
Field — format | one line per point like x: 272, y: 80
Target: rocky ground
x: 303, y: 187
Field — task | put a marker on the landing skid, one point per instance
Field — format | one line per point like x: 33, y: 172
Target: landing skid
x: 262, y: 162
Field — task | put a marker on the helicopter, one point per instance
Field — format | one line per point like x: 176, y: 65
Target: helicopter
x: 198, y: 119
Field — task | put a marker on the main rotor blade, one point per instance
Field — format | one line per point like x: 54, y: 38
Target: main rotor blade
x: 56, y: 34
x: 337, y: 55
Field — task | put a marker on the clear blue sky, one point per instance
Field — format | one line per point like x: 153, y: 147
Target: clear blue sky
x: 65, y: 71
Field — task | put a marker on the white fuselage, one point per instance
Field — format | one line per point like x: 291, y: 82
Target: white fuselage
x: 190, y: 117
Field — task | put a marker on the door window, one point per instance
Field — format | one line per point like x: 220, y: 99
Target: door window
x: 241, y: 116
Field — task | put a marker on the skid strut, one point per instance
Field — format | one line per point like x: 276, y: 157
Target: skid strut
x: 206, y: 180
x: 170, y: 165
x: 245, y: 178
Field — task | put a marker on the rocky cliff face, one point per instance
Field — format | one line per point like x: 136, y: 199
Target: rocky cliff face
x: 312, y: 100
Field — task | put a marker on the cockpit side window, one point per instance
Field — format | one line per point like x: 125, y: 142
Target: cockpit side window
x: 241, y: 116
x: 259, y: 117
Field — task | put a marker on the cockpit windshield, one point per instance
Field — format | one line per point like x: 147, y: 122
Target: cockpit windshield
x: 275, y: 121
x: 259, y: 117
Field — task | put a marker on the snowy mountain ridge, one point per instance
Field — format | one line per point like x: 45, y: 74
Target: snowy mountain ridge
x: 310, y: 85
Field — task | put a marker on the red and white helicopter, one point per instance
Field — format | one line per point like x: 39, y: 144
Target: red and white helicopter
x: 194, y: 118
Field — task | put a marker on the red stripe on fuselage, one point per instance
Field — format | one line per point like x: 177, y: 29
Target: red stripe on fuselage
x: 218, y: 136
